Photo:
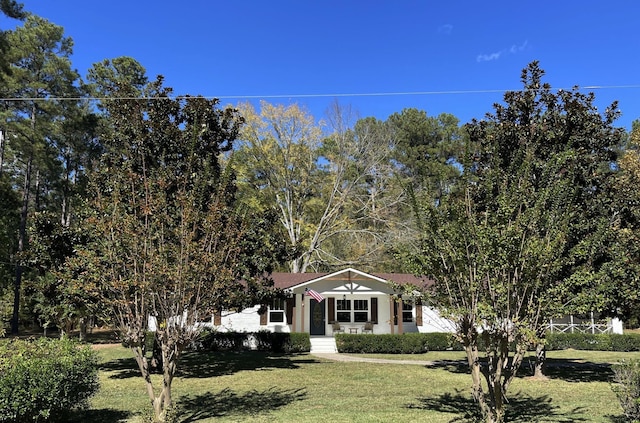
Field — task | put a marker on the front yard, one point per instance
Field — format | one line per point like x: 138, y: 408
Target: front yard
x: 259, y: 387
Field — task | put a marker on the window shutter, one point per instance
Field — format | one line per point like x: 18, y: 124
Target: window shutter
x: 289, y: 310
x: 332, y: 309
x: 419, y: 312
x: 217, y: 318
x: 374, y: 309
x: 395, y: 312
x: 263, y: 316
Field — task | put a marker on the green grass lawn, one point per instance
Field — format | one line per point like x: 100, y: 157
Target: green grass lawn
x: 257, y: 387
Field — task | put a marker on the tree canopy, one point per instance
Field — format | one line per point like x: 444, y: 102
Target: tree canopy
x: 524, y: 229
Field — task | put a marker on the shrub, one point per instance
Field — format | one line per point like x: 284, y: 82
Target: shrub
x: 442, y: 341
x: 298, y: 343
x: 594, y: 342
x: 262, y: 341
x: 627, y: 388
x: 626, y: 342
x: 408, y: 343
x: 41, y: 380
x: 211, y: 340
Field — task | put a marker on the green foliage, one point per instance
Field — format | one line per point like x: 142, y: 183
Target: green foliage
x: 592, y: 342
x: 427, y: 149
x: 627, y: 388
x: 42, y: 380
x: 211, y: 340
x: 524, y: 234
x: 408, y: 343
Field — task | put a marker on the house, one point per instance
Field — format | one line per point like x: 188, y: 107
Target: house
x: 349, y: 297
x: 352, y: 298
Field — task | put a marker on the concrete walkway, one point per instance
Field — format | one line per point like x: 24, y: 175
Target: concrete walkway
x: 350, y: 358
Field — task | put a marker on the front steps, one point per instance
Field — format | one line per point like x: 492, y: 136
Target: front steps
x: 323, y: 345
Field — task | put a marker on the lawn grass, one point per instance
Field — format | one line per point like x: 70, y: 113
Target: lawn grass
x: 260, y: 387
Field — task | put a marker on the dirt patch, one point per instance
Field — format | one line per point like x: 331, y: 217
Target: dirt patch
x: 98, y: 347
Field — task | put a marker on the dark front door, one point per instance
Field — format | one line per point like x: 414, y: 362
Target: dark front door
x: 316, y: 317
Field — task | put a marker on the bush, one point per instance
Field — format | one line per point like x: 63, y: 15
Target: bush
x: 627, y: 388
x: 593, y: 342
x: 211, y: 340
x: 41, y: 380
x: 298, y: 343
x: 262, y: 341
x: 408, y: 343
x: 442, y: 341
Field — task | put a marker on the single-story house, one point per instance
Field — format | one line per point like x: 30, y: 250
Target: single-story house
x: 321, y: 303
x: 354, y: 301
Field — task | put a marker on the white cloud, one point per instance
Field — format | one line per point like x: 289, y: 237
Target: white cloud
x: 518, y: 48
x: 446, y: 29
x: 514, y: 49
x: 488, y: 57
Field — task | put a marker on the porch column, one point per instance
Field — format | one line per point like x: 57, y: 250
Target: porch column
x: 302, y: 313
x: 391, y: 302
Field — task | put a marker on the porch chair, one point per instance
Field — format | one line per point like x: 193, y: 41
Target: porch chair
x: 368, y: 327
x: 335, y: 326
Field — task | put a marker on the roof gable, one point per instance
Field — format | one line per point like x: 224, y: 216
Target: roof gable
x: 289, y: 280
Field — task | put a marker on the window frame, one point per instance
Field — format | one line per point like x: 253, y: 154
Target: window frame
x: 407, y: 311
x: 356, y: 310
x: 278, y: 308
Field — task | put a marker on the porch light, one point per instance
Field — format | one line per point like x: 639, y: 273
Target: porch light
x: 344, y: 297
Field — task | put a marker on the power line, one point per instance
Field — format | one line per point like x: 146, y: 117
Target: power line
x: 321, y: 95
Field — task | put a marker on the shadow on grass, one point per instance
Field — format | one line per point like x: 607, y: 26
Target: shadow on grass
x: 520, y: 409
x: 211, y: 364
x: 205, y: 365
x: 193, y: 408
x: 569, y: 370
x: 124, y: 367
x: 106, y: 415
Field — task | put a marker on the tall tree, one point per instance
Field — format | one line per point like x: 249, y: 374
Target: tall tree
x: 621, y: 293
x: 14, y: 10
x: 359, y: 156
x: 510, y: 243
x: 40, y: 73
x: 317, y: 183
x: 168, y: 242
x: 427, y: 151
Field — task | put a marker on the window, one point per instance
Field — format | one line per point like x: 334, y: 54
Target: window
x: 343, y: 310
x: 407, y: 312
x: 276, y: 311
x: 361, y: 311
x: 356, y: 311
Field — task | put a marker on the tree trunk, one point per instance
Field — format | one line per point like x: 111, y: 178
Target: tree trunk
x: 22, y: 236
x: 541, y: 361
x: 473, y: 358
x: 82, y: 323
x: 1, y: 150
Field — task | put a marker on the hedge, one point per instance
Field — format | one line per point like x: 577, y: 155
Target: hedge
x: 408, y: 343
x: 41, y: 380
x: 262, y: 341
x: 593, y: 342
x: 416, y: 343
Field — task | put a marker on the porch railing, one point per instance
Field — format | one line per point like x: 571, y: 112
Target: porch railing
x: 573, y: 325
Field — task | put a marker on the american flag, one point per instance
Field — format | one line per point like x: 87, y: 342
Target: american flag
x: 316, y: 295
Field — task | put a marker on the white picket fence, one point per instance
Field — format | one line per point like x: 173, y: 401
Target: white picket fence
x: 571, y: 324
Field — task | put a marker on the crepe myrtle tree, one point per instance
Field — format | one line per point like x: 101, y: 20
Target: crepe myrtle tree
x: 167, y: 239
x: 523, y: 231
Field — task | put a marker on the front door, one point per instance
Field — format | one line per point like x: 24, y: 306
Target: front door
x: 316, y: 317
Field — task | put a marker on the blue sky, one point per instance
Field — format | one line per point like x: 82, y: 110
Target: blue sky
x: 456, y: 57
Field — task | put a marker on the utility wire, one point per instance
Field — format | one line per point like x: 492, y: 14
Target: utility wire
x: 370, y: 94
